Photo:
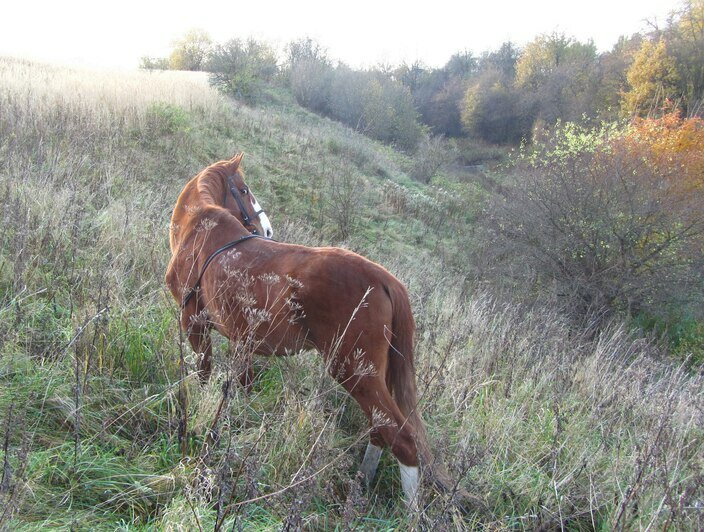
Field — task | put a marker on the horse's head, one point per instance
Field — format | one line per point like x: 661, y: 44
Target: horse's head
x: 241, y: 202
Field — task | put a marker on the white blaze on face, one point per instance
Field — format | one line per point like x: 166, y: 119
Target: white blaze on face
x: 263, y: 219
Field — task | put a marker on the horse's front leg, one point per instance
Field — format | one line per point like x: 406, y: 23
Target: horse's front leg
x: 205, y: 364
x: 245, y: 372
x: 197, y: 328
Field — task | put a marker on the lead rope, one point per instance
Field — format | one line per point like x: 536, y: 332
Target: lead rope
x: 212, y: 256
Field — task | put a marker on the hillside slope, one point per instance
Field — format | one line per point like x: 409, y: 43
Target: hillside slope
x: 551, y: 427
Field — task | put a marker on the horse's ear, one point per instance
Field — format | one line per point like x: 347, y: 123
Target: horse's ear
x: 236, y: 161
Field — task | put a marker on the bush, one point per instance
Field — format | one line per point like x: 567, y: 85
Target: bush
x: 472, y: 152
x: 388, y: 113
x: 311, y: 82
x: 368, y: 101
x: 431, y: 154
x: 607, y: 219
x: 154, y: 63
x: 375, y: 105
x: 163, y: 118
x: 242, y: 68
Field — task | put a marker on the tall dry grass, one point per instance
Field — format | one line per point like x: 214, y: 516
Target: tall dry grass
x: 559, y: 429
x: 38, y: 90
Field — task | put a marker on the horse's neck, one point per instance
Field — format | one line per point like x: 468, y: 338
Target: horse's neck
x: 207, y: 223
x: 211, y: 188
x: 213, y: 191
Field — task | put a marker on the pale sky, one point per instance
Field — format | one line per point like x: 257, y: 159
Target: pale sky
x: 358, y: 32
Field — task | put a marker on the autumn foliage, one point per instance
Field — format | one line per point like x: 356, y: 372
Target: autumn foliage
x: 607, y: 219
x: 673, y: 146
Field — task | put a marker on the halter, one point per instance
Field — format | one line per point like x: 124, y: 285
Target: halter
x: 246, y: 219
x: 247, y: 222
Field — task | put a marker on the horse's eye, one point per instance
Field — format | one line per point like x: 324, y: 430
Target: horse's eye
x: 244, y: 191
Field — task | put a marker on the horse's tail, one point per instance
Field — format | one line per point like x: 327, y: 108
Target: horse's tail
x: 403, y: 384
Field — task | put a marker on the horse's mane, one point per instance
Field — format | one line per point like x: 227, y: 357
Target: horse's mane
x: 206, y: 193
x: 211, y: 181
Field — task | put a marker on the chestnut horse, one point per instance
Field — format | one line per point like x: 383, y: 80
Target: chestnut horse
x: 280, y: 298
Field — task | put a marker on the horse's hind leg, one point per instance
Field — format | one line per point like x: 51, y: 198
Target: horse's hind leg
x: 376, y: 445
x: 370, y: 462
x: 390, y: 425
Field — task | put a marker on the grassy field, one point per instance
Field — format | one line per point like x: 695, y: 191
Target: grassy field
x: 553, y: 428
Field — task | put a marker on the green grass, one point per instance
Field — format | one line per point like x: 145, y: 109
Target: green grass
x: 548, y: 425
x: 681, y: 330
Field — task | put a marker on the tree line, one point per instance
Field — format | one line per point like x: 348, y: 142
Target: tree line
x: 500, y: 96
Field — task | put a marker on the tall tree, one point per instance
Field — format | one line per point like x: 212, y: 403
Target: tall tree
x: 685, y: 39
x: 495, y: 111
x: 613, y: 67
x: 502, y: 60
x: 461, y: 65
x: 652, y: 79
x: 561, y: 73
x: 191, y: 51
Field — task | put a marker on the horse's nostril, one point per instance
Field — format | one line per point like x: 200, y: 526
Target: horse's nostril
x: 269, y: 233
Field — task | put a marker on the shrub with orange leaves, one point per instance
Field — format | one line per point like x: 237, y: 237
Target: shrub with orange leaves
x: 673, y: 146
x: 607, y: 219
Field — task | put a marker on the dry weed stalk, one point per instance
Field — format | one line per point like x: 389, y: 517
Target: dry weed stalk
x: 13, y: 478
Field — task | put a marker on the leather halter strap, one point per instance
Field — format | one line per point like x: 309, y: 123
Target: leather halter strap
x: 246, y: 219
x: 210, y: 259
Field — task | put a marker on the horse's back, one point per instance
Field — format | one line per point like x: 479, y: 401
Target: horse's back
x: 341, y: 291
x: 330, y: 272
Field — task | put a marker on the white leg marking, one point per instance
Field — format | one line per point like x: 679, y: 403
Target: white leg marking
x: 370, y: 462
x: 410, y: 484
